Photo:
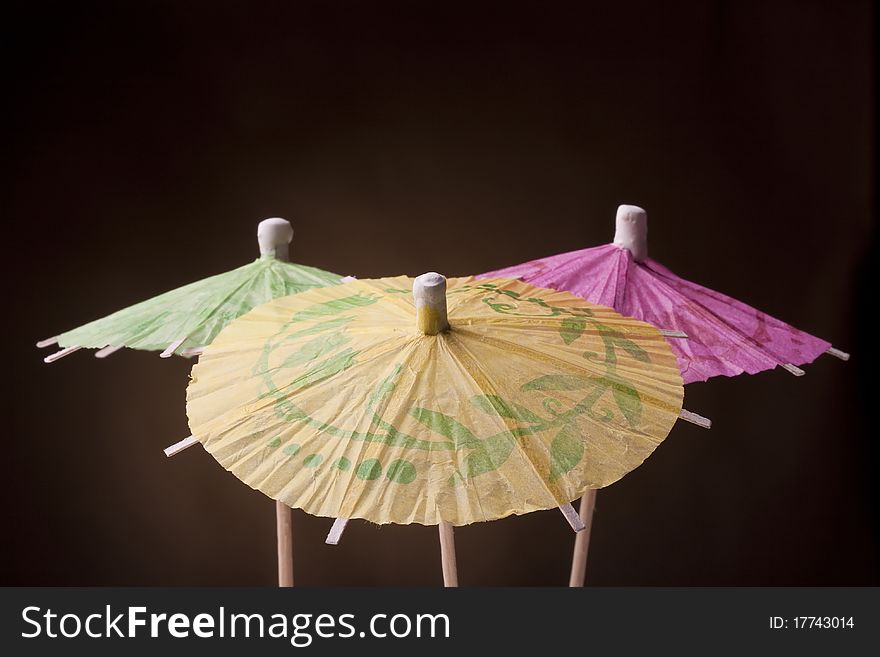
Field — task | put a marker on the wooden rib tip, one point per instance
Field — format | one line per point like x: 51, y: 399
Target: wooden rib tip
x: 179, y: 446
x: 335, y: 533
x: 106, y: 351
x: 793, y: 369
x: 573, y: 517
x: 48, y: 342
x: 58, y: 355
x: 170, y: 349
x: 695, y: 418
x: 832, y: 351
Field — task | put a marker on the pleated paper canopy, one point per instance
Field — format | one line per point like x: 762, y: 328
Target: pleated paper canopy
x: 334, y: 402
x: 725, y: 337
x: 190, y: 316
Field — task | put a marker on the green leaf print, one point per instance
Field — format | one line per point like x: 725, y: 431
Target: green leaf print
x: 488, y: 455
x: 627, y: 399
x: 632, y: 349
x: 572, y: 328
x: 334, y: 306
x: 329, y: 325
x: 566, y: 451
x: 324, y: 370
x: 385, y: 388
x: 512, y: 410
x: 559, y: 382
x: 445, y: 426
x: 316, y: 348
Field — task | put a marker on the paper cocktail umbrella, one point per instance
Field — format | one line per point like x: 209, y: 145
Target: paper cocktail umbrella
x: 381, y: 400
x: 189, y: 317
x: 186, y: 319
x: 724, y: 337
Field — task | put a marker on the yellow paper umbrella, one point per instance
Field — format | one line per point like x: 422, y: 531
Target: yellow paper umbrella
x: 371, y: 400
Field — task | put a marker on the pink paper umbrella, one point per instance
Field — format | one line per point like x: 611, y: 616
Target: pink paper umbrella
x: 725, y: 337
x: 710, y: 333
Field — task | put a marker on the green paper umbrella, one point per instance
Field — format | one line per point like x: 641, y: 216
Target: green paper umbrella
x: 186, y: 319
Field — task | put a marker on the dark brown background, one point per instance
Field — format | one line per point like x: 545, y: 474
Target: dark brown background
x: 147, y: 139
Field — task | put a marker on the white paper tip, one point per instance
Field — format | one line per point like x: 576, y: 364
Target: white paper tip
x: 60, y: 354
x: 573, y: 518
x: 178, y: 447
x: 170, y: 349
x: 793, y: 369
x: 349, y: 279
x: 48, y: 342
x: 336, y: 530
x: 837, y: 353
x: 694, y: 418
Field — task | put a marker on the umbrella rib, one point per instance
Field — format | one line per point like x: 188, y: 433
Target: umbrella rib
x: 837, y: 353
x: 170, y: 349
x: 572, y: 517
x: 106, y: 351
x: 792, y: 369
x: 695, y: 418
x: 181, y: 445
x: 335, y: 534
x: 58, y: 355
x: 48, y: 342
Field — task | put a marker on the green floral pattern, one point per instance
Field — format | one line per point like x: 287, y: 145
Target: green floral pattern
x: 325, y: 357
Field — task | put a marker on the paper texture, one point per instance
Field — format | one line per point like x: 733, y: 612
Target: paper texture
x: 725, y: 337
x: 196, y: 312
x: 332, y: 401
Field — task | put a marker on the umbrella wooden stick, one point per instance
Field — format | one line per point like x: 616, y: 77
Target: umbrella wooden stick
x: 429, y: 295
x: 582, y: 542
x: 284, y: 528
x: 447, y: 555
x: 274, y: 236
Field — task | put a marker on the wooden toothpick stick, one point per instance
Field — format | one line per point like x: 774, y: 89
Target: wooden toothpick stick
x: 582, y: 541
x: 274, y: 236
x: 447, y: 554
x: 284, y: 530
x: 429, y: 296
